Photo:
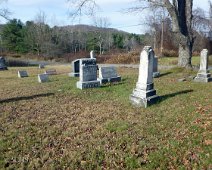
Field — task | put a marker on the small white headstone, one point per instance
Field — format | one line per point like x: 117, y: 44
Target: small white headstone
x: 144, y: 93
x: 203, y: 74
x: 22, y: 73
x: 43, y: 78
x: 92, y: 54
x: 41, y: 66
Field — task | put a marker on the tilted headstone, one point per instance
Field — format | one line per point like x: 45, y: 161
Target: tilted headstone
x: 22, y: 73
x: 75, y: 68
x: 156, y: 73
x: 51, y: 72
x: 3, y: 64
x: 88, y: 74
x: 144, y: 94
x: 203, y: 74
x: 43, y: 78
x: 92, y: 54
x: 108, y: 74
x: 41, y: 66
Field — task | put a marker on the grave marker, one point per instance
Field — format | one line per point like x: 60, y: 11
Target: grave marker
x: 88, y: 74
x: 108, y: 74
x: 51, y: 72
x: 22, y: 73
x: 203, y: 74
x: 43, y: 78
x: 3, y: 64
x: 156, y: 73
x: 75, y: 68
x: 144, y: 94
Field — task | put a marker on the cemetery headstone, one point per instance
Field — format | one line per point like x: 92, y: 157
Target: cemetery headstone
x: 203, y: 74
x: 92, y: 54
x: 51, y: 72
x: 88, y: 74
x: 156, y: 73
x: 3, y: 64
x: 22, y: 73
x: 75, y: 68
x: 43, y: 78
x: 144, y: 94
x: 108, y: 75
x: 41, y: 66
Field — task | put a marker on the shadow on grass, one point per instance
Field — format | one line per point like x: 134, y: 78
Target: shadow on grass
x: 25, y: 98
x: 166, y: 96
x: 164, y: 74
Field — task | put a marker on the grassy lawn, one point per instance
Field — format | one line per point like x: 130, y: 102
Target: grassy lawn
x: 54, y: 125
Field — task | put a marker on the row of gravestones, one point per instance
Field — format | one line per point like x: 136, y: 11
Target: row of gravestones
x: 144, y: 93
x: 86, y: 70
x: 41, y: 77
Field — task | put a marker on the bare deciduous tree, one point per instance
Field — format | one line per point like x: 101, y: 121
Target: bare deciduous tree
x: 181, y: 15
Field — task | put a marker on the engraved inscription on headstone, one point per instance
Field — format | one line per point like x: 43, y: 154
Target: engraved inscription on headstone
x: 88, y: 74
x: 108, y: 74
x: 144, y: 94
x: 22, y: 73
x: 203, y: 74
x: 43, y: 78
x: 3, y: 64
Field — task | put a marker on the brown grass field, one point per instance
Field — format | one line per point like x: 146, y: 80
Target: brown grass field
x: 53, y: 125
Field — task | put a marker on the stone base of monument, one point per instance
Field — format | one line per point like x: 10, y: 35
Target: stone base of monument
x: 156, y: 74
x: 73, y: 74
x: 88, y: 84
x: 109, y: 80
x: 203, y: 77
x: 144, y: 97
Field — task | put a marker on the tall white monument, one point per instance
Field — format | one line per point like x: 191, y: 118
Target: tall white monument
x: 144, y: 94
x: 203, y: 74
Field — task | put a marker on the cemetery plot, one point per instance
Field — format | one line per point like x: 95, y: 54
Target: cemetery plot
x: 51, y: 72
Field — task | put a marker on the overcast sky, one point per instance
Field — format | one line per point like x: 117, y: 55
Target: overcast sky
x: 57, y: 12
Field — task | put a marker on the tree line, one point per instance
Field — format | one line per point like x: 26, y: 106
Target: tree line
x: 40, y: 39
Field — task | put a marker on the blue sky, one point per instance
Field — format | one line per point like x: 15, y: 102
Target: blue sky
x: 57, y: 12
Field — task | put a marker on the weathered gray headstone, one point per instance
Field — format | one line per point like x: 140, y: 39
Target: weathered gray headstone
x: 41, y: 66
x: 108, y: 74
x: 43, y: 78
x: 75, y: 68
x: 22, y: 73
x: 203, y: 74
x: 51, y: 72
x: 92, y: 54
x: 88, y: 74
x: 3, y: 64
x: 144, y: 94
x: 156, y: 73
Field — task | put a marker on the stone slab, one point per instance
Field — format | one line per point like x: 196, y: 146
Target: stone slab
x: 110, y: 80
x: 22, y: 74
x: 107, y: 72
x: 51, y: 72
x: 203, y: 80
x: 156, y: 74
x: 43, y: 78
x: 88, y: 73
x: 41, y: 66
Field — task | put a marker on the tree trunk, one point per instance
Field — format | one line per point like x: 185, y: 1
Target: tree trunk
x: 185, y: 52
